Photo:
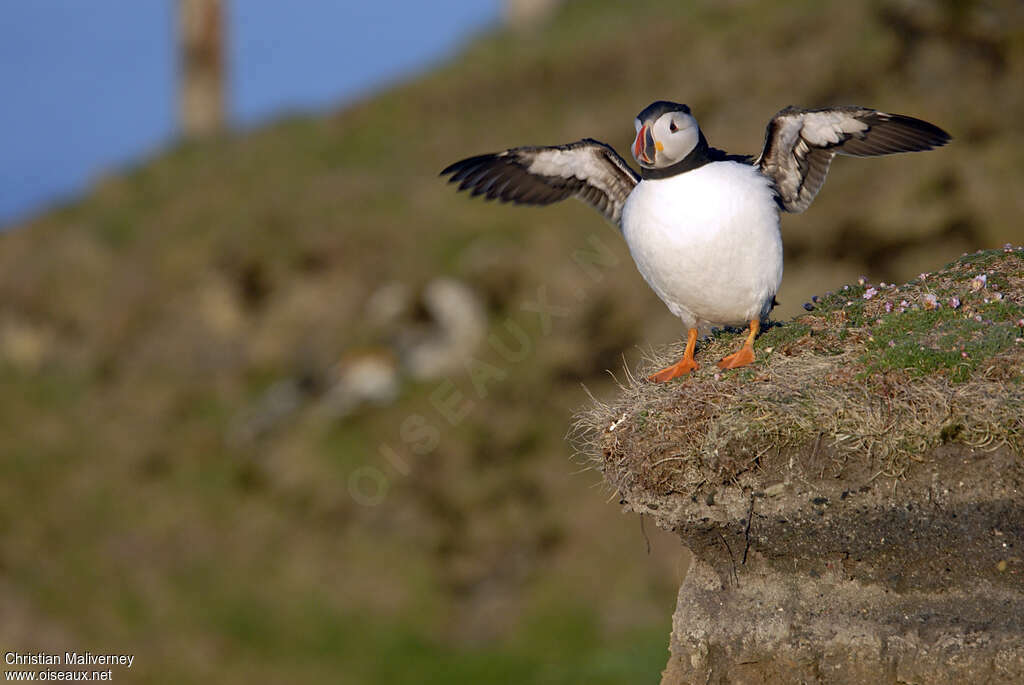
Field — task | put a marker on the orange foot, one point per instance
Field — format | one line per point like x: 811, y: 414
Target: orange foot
x: 680, y: 368
x: 745, y: 355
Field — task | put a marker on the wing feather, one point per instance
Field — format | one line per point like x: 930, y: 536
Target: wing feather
x: 587, y: 169
x: 800, y: 144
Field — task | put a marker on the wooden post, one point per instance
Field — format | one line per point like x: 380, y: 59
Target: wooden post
x: 526, y: 14
x: 201, y: 44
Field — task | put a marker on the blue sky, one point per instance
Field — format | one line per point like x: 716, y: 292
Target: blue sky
x: 88, y: 87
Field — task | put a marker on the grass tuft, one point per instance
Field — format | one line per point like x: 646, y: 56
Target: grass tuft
x: 880, y: 373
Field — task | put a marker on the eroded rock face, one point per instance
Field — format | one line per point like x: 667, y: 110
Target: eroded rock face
x: 854, y: 500
x: 852, y: 578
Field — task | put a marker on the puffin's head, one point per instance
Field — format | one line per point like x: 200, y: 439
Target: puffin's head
x: 666, y: 133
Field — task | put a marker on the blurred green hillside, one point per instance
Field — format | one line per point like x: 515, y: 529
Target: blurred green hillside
x: 175, y: 481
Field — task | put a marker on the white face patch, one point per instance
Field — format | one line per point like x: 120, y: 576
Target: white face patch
x: 678, y: 134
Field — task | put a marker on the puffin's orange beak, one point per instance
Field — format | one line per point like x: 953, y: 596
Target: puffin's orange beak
x: 643, y: 146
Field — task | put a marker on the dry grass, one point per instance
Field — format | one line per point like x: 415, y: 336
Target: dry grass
x: 847, y: 384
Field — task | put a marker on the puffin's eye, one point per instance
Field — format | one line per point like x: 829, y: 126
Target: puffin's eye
x: 672, y: 126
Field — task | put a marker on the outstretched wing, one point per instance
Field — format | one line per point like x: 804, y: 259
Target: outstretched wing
x: 800, y: 143
x: 587, y: 169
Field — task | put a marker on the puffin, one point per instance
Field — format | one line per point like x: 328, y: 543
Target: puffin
x: 702, y: 225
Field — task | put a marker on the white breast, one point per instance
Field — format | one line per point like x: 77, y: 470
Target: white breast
x: 707, y: 241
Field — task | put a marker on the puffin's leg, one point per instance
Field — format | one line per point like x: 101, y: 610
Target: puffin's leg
x: 681, y: 367
x: 745, y: 355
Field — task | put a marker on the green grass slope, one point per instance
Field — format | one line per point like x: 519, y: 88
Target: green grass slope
x: 137, y: 323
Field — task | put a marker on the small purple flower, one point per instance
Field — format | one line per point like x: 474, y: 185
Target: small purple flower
x: 924, y: 276
x: 846, y: 287
x: 1008, y: 247
x: 964, y: 355
x: 930, y: 301
x: 978, y: 282
x: 892, y: 343
x: 997, y: 296
x: 888, y: 307
x: 869, y: 293
x: 954, y: 302
x: 977, y: 317
x: 862, y: 281
x: 904, y: 304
